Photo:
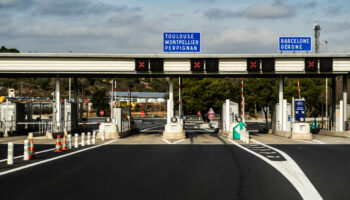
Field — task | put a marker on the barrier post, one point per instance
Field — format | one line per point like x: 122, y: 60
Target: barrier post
x: 26, y: 150
x: 10, y: 153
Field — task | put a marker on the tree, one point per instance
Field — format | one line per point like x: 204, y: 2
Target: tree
x: 100, y: 101
x: 3, y: 49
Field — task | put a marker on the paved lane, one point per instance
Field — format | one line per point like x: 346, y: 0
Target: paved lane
x: 151, y: 172
x: 327, y: 167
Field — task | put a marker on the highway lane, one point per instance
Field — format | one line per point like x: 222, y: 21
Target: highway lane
x: 327, y: 167
x: 151, y: 172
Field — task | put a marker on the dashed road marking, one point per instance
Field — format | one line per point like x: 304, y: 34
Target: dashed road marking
x: 287, y: 167
x: 52, y: 159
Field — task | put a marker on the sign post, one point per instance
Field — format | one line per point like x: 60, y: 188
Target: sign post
x: 142, y: 114
x: 181, y: 42
x: 295, y: 44
x: 299, y: 109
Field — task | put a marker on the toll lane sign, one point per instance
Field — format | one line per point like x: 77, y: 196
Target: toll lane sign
x: 295, y: 43
x: 299, y: 109
x: 181, y: 42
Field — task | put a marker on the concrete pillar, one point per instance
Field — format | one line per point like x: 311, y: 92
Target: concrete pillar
x: 284, y: 115
x: 227, y: 115
x: 180, y: 98
x: 280, y: 102
x: 58, y: 102
x: 333, y: 117
x: 171, y: 97
x: 345, y: 96
x: 341, y: 122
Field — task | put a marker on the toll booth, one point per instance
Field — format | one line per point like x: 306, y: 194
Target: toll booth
x: 286, y: 123
x: 69, y: 117
x: 229, y: 114
x: 11, y: 113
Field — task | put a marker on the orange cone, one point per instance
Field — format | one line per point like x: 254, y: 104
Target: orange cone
x: 58, y: 144
x: 64, y: 143
x: 31, y: 150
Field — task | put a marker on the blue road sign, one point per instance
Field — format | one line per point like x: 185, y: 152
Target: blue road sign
x: 295, y: 43
x: 299, y: 109
x: 181, y: 42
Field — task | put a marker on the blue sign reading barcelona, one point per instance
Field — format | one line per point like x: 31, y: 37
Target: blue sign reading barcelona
x: 295, y: 43
x: 181, y: 42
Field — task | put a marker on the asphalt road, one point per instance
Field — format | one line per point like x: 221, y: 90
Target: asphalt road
x: 151, y: 172
x: 175, y: 172
x: 326, y: 166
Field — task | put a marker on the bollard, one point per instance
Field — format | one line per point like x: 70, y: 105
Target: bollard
x: 82, y: 139
x: 10, y: 153
x: 93, y: 137
x: 88, y: 138
x: 247, y: 141
x: 26, y: 150
x: 76, y: 141
x: 69, y: 141
x: 103, y: 136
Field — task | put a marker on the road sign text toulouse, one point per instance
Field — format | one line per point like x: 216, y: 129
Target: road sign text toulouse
x: 181, y: 42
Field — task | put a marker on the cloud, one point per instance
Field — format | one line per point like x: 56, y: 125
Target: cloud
x: 264, y: 10
x: 333, y: 10
x: 75, y: 8
x: 268, y: 10
x: 241, y: 41
x: 335, y: 26
x: 218, y: 13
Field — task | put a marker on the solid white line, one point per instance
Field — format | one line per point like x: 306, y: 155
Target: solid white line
x: 289, y: 169
x: 319, y: 142
x: 39, y: 152
x: 51, y: 159
x: 167, y: 141
x: 306, y: 141
x: 178, y: 141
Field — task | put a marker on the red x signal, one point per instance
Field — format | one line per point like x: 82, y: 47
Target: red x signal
x: 141, y: 64
x: 311, y: 63
x: 197, y: 65
x: 252, y: 64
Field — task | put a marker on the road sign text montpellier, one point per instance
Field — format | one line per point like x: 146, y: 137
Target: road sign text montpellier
x: 295, y: 44
x: 181, y: 42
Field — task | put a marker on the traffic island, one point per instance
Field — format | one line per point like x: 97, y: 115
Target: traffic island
x: 108, y: 130
x: 174, y: 131
x: 301, y: 131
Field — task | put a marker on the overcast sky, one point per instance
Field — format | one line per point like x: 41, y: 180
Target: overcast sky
x: 137, y: 26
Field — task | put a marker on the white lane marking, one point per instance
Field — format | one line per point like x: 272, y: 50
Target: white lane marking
x: 52, y: 159
x: 167, y: 141
x: 178, y: 141
x: 39, y: 152
x: 307, y: 141
x: 319, y: 142
x: 290, y: 169
x: 151, y: 128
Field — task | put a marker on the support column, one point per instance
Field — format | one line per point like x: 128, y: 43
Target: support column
x: 76, y: 90
x: 280, y: 103
x: 333, y: 117
x: 180, y: 98
x: 345, y: 97
x: 171, y: 97
x: 58, y: 103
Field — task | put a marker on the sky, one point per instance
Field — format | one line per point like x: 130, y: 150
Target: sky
x: 137, y: 26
